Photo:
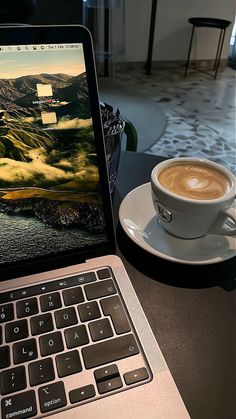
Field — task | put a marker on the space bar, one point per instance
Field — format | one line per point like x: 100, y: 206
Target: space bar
x: 110, y: 350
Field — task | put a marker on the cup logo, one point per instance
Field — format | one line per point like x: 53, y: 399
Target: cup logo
x: 163, y: 213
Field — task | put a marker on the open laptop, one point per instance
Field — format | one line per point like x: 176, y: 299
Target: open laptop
x: 74, y: 340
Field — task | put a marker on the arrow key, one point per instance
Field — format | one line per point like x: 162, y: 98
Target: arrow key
x: 135, y: 376
x: 109, y: 385
x: 82, y: 393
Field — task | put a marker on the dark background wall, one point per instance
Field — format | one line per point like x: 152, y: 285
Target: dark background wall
x: 41, y: 11
x: 57, y: 12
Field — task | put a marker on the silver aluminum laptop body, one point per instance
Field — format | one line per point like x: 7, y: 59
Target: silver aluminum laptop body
x: 51, y: 126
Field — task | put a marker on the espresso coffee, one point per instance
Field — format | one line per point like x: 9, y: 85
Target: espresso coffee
x: 194, y: 181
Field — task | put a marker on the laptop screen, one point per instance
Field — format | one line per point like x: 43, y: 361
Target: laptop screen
x: 50, y: 186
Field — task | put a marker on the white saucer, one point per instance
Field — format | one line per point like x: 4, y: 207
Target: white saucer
x: 138, y: 219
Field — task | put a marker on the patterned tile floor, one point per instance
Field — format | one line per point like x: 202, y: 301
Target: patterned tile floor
x: 200, y: 112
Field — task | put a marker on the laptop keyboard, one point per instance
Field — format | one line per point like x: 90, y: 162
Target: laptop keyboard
x: 64, y: 343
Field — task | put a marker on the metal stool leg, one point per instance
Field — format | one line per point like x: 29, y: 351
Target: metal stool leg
x: 219, y: 53
x: 151, y: 37
x: 218, y: 48
x: 189, y: 52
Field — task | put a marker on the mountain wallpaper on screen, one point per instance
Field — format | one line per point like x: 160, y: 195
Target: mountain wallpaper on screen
x: 49, y: 171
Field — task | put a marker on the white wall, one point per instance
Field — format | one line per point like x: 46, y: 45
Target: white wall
x: 172, y: 34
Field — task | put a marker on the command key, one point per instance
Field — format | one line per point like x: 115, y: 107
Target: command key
x: 19, y: 406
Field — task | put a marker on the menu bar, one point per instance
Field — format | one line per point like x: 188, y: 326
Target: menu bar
x: 38, y: 47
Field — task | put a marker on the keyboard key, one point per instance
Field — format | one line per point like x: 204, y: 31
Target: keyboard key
x: 52, y: 397
x: 27, y: 307
x: 12, y: 380
x: 50, y: 301
x: 0, y: 335
x: 68, y: 363
x: 41, y: 324
x: 66, y: 317
x: 100, y: 289
x: 20, y: 406
x: 109, y: 351
x: 4, y: 357
x: 100, y: 329
x: 24, y: 351
x: 135, y: 376
x: 16, y: 330
x: 41, y: 371
x: 109, y: 385
x: 89, y: 311
x: 113, y: 307
x: 76, y: 336
x: 51, y: 343
x: 104, y: 273
x: 82, y: 393
x: 73, y: 296
x: 106, y: 373
x: 6, y: 313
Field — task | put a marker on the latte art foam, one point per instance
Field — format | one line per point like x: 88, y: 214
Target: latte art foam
x: 194, y: 181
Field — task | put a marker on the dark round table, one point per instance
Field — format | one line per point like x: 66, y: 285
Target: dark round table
x: 208, y: 22
x: 191, y: 310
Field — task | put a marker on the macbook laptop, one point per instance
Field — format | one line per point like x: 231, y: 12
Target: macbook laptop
x: 74, y: 339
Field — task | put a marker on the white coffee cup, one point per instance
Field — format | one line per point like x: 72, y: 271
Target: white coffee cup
x: 193, y: 197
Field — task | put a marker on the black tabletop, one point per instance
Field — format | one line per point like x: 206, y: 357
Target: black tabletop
x: 191, y: 310
x: 210, y: 22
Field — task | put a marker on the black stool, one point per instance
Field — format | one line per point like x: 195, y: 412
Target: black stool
x: 209, y: 22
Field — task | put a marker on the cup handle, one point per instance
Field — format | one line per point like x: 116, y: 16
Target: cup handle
x: 225, y: 223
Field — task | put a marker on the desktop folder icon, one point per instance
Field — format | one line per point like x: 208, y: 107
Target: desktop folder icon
x: 44, y: 89
x: 49, y: 117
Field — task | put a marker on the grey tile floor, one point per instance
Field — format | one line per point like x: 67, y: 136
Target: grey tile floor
x: 200, y: 112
